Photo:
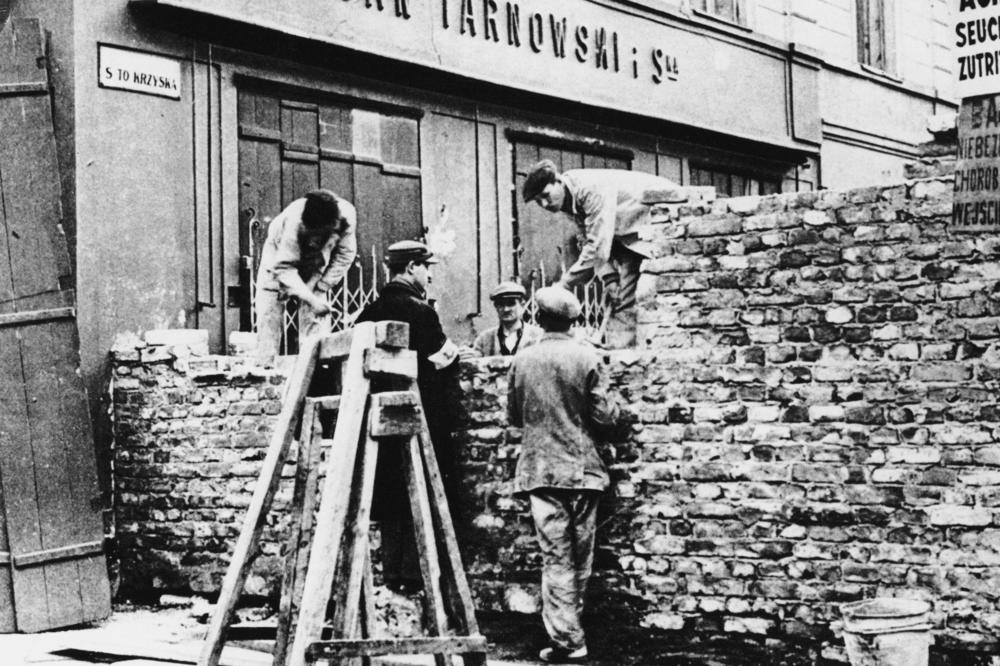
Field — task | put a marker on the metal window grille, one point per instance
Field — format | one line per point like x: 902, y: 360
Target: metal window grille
x: 347, y: 299
x: 594, y: 311
x: 359, y: 288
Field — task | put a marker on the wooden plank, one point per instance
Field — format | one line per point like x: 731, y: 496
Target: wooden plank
x: 388, y: 335
x: 348, y: 592
x: 36, y: 316
x: 392, y: 334
x: 67, y: 426
x: 6, y: 268
x: 68, y: 498
x: 300, y: 529
x: 336, y: 345
x: 72, y: 427
x: 396, y: 362
x: 39, y: 88
x: 267, y: 484
x: 8, y: 623
x: 17, y: 476
x: 394, y: 414
x: 454, y: 580
x: 380, y: 647
x: 326, y: 403
x: 30, y: 172
x: 423, y: 527
x: 369, y: 628
x: 330, y: 522
x: 20, y: 47
x: 61, y: 553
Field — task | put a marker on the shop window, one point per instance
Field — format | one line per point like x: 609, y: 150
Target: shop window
x: 730, y: 184
x: 875, y: 36
x: 734, y: 11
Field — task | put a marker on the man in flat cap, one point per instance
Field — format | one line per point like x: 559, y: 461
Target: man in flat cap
x: 609, y: 206
x: 512, y: 333
x: 404, y: 298
x: 556, y: 394
x: 309, y: 247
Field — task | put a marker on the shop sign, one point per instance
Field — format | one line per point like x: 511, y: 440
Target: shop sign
x: 127, y: 69
x: 596, y: 53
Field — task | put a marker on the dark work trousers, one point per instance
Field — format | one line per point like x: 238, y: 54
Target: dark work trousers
x: 565, y: 522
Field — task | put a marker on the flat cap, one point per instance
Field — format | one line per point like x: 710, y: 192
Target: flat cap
x: 558, y: 302
x: 409, y: 250
x: 507, y: 290
x: 539, y: 175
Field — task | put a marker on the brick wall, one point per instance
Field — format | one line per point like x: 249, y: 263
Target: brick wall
x: 816, y: 421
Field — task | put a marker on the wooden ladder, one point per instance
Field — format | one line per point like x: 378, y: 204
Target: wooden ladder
x: 330, y: 560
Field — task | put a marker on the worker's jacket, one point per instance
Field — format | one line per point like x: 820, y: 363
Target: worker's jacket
x: 556, y: 395
x: 610, y: 205
x: 281, y: 255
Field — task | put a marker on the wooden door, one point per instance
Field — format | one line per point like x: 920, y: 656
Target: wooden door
x: 547, y: 244
x: 52, y: 567
x: 290, y: 144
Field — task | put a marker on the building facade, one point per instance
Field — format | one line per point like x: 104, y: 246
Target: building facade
x: 185, y: 125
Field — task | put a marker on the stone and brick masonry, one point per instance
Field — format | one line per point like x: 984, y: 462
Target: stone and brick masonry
x: 816, y: 420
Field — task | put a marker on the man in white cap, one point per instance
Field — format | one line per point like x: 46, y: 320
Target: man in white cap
x: 309, y: 247
x: 610, y: 206
x: 556, y: 394
x: 512, y: 333
x: 404, y: 298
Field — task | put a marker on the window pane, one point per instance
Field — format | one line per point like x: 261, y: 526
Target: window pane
x: 729, y: 10
x: 871, y: 33
x: 726, y: 9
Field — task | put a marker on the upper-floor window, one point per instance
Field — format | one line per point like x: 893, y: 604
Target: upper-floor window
x: 875, y: 36
x: 734, y: 11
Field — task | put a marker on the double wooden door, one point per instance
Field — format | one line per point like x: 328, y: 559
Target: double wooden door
x: 290, y: 143
x: 52, y: 567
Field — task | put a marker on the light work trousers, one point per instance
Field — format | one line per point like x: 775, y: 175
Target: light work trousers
x: 565, y: 522
x: 622, y: 318
x: 271, y: 324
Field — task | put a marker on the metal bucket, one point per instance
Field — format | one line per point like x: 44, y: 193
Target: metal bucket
x: 887, y: 632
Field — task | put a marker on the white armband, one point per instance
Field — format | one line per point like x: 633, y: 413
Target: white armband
x: 445, y: 356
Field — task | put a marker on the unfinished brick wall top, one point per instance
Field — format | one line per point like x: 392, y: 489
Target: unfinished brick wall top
x: 816, y: 421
